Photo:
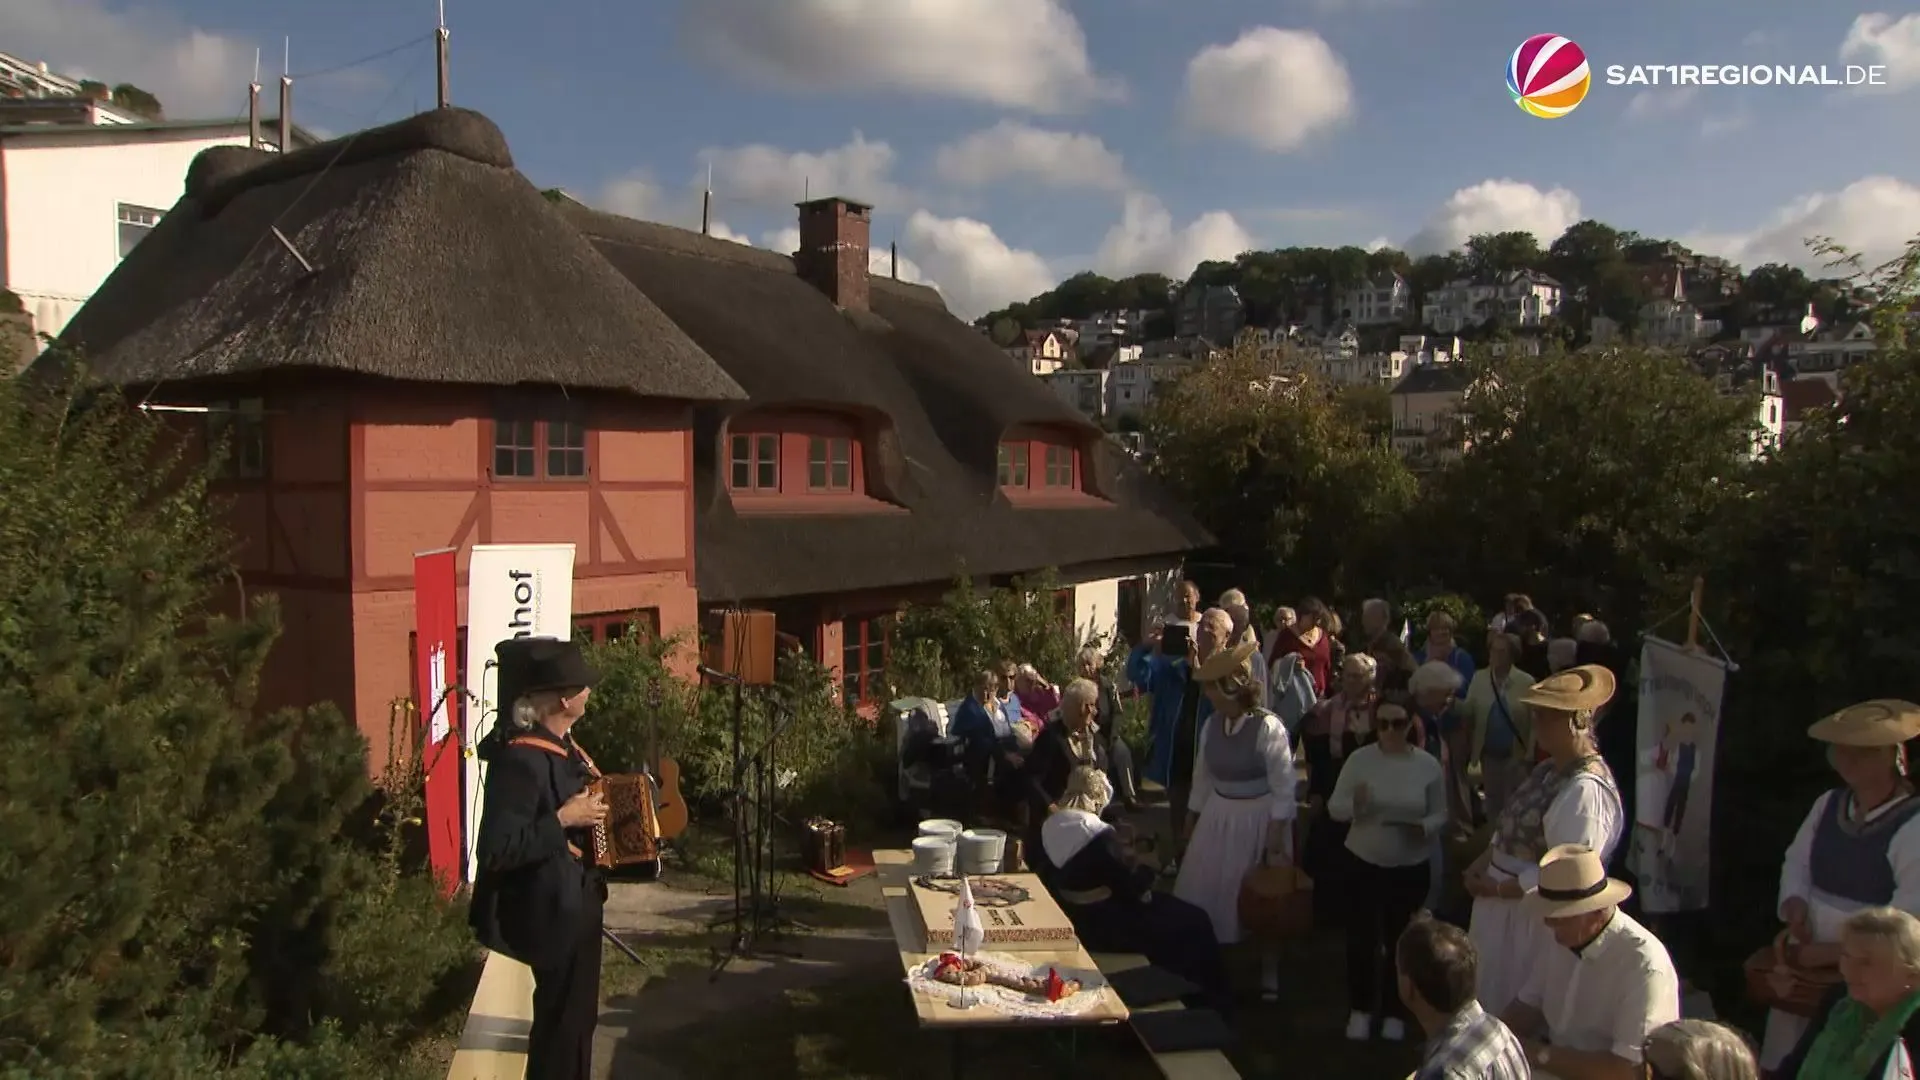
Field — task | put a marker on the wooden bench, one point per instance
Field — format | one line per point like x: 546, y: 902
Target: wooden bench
x: 494, y: 1044
x: 1183, y: 1064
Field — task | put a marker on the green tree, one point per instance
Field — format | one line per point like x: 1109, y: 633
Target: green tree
x: 1368, y: 409
x: 136, y: 100
x: 1586, y: 479
x: 1498, y: 254
x: 1299, y: 497
x: 182, y: 875
x: 1811, y: 583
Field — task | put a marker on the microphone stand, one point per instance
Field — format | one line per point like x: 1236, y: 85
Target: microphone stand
x: 753, y: 889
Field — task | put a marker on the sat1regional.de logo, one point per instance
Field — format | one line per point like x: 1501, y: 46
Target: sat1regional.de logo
x: 1548, y: 76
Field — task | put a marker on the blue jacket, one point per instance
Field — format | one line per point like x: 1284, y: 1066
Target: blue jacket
x: 1165, y: 680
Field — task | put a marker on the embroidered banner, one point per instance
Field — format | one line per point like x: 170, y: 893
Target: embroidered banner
x: 513, y: 591
x: 1679, y: 727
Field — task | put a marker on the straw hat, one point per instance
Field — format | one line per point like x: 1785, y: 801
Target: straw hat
x: 1883, y: 722
x: 1577, y: 689
x: 1226, y: 662
x: 1573, y: 881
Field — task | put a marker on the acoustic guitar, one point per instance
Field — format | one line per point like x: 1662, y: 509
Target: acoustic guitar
x: 670, y: 807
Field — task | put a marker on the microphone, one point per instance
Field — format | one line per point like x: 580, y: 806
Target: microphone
x: 716, y: 676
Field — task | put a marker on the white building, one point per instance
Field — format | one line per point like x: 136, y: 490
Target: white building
x: 1669, y: 320
x: 1382, y: 301
x: 1041, y: 352
x: 1425, y: 402
x: 1111, y: 328
x: 1524, y: 298
x: 1083, y: 388
x: 75, y: 197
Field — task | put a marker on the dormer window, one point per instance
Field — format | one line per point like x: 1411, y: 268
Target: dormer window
x: 754, y: 463
x: 797, y: 461
x: 1043, y: 464
x: 1015, y: 458
x: 829, y: 463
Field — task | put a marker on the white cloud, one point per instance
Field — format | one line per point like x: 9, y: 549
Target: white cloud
x: 1878, y: 38
x: 975, y: 270
x: 196, y: 73
x: 1873, y: 217
x: 785, y: 241
x: 1272, y: 89
x: 1378, y: 243
x: 1660, y: 101
x: 634, y: 195
x: 1146, y: 241
x: 1496, y: 206
x: 719, y: 231
x: 770, y: 176
x: 1011, y: 150
x: 1027, y: 54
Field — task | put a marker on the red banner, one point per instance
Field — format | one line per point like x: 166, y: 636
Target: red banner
x: 436, y: 606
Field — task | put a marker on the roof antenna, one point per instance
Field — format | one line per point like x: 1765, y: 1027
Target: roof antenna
x: 440, y: 58
x: 253, y: 105
x: 706, y: 204
x: 893, y: 250
x: 286, y: 98
x: 806, y: 189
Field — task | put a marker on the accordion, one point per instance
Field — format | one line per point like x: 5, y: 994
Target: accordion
x: 630, y: 834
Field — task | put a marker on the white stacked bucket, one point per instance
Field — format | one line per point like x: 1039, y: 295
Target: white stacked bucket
x: 934, y: 849
x: 982, y: 851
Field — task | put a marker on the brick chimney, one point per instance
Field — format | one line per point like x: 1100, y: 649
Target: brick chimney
x: 833, y: 249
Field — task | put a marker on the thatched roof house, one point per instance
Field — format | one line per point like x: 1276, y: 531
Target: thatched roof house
x: 939, y: 399
x: 413, y: 252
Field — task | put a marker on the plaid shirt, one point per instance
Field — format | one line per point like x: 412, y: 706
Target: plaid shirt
x: 1473, y: 1046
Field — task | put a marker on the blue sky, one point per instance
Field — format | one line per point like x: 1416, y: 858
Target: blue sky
x: 1122, y: 135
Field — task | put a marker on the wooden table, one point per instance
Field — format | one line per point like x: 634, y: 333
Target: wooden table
x: 909, y: 936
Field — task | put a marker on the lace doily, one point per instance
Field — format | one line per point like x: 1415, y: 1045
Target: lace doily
x: 1011, y: 1002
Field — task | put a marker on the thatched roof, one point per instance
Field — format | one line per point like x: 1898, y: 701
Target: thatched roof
x: 942, y: 396
x: 432, y: 260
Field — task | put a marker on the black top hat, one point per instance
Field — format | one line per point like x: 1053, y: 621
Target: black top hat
x: 544, y: 663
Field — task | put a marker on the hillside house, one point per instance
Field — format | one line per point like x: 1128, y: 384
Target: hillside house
x: 1384, y: 300
x: 1425, y: 402
x: 79, y: 190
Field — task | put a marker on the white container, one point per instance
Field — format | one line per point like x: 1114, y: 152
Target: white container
x: 932, y: 856
x: 981, y: 851
x: 942, y: 827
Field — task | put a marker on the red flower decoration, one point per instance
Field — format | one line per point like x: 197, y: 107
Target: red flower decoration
x: 1056, y: 987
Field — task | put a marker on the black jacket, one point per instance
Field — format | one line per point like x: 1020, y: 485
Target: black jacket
x: 1049, y: 765
x: 530, y: 892
x: 1790, y: 1068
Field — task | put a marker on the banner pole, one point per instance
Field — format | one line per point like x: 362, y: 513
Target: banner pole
x: 1693, y: 614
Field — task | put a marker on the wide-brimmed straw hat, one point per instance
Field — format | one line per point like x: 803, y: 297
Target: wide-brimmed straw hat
x: 1577, y: 689
x: 1882, y: 722
x: 1226, y: 662
x: 1573, y: 881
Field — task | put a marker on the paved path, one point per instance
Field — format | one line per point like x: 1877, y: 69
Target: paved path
x: 630, y: 1024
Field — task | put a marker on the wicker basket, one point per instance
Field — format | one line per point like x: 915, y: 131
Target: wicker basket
x: 1806, y: 989
x: 1276, y: 902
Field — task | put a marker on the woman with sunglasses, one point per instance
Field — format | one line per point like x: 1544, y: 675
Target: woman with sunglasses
x: 1395, y: 797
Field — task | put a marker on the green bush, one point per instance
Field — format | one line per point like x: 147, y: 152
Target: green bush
x: 179, y: 891
x: 829, y: 758
x: 1469, y: 621
x: 939, y: 649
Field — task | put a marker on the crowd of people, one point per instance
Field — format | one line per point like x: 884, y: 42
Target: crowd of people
x: 1457, y: 821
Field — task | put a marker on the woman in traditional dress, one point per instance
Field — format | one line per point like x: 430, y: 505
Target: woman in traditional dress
x: 1570, y: 798
x: 1859, y: 846
x: 1869, y: 1026
x: 1244, y: 792
x: 1109, y: 895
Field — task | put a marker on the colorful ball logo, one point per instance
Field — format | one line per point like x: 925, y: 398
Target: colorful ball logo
x: 1548, y: 76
